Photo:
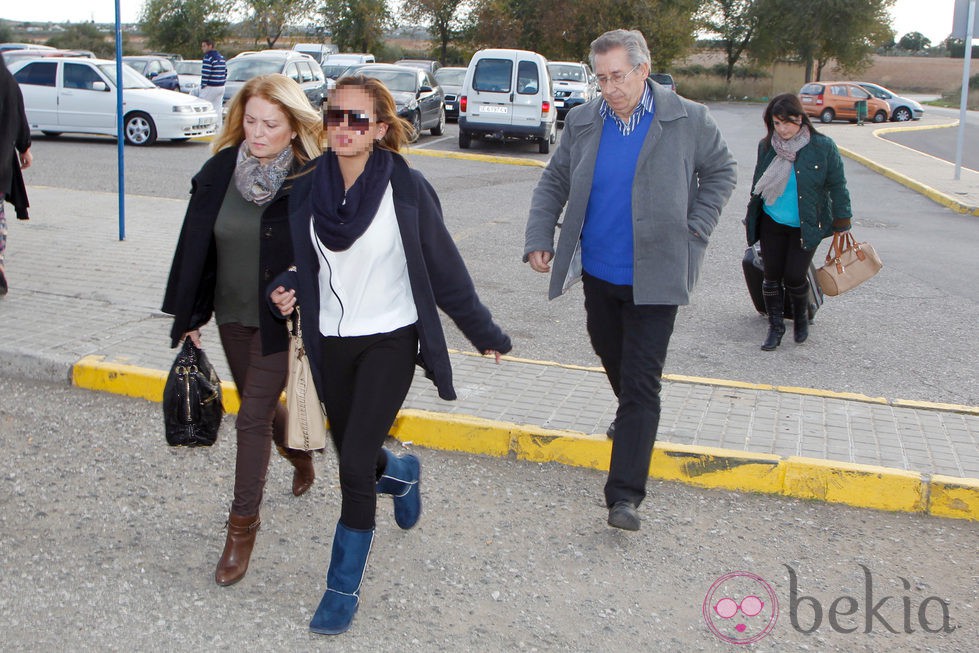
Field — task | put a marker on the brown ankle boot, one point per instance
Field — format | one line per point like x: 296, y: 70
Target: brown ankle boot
x: 237, y: 549
x: 304, y: 473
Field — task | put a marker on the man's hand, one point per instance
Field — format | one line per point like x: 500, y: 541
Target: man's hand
x: 540, y: 261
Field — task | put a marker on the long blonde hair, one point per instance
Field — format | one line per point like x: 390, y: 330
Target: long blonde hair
x: 385, y: 110
x: 287, y: 94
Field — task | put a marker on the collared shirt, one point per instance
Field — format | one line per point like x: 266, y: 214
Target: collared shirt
x: 645, y: 105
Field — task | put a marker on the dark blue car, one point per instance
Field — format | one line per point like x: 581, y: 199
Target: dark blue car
x: 158, y: 70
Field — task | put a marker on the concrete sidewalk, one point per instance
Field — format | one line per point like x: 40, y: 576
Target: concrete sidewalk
x: 94, y: 319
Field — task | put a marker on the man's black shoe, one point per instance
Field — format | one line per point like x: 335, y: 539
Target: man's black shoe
x: 623, y: 515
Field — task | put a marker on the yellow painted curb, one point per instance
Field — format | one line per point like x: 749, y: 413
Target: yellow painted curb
x: 484, y: 158
x: 853, y: 484
x: 929, y: 405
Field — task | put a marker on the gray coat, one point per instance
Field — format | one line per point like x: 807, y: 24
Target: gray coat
x: 684, y: 176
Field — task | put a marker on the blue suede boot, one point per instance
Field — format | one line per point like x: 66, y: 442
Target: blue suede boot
x: 402, y: 478
x: 347, y: 564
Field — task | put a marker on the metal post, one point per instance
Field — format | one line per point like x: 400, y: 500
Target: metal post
x: 964, y: 103
x: 121, y: 128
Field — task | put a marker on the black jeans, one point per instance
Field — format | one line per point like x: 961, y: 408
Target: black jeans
x: 366, y: 380
x: 782, y: 253
x: 631, y: 340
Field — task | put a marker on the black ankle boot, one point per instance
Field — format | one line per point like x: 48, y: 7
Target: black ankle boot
x: 800, y: 311
x: 774, y: 306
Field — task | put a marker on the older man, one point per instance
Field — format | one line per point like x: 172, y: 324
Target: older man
x: 644, y: 174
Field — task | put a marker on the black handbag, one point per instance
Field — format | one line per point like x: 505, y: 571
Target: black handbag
x: 192, y: 407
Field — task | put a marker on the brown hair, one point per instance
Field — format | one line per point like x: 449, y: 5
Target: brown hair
x: 786, y: 106
x: 385, y: 110
x: 288, y: 96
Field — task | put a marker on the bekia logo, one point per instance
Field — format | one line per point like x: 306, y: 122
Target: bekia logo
x: 740, y: 608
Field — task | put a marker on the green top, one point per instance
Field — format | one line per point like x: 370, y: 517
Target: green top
x: 236, y: 235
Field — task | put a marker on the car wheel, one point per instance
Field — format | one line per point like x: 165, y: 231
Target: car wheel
x: 880, y: 116
x: 51, y: 134
x: 901, y: 114
x: 139, y: 129
x: 544, y: 145
x: 827, y: 116
x: 416, y: 127
x: 465, y: 140
x: 437, y: 129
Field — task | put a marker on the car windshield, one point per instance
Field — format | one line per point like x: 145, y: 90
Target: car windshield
x: 396, y: 81
x: 565, y: 73
x: 189, y: 67
x: 130, y: 78
x: 448, y: 77
x: 244, y: 69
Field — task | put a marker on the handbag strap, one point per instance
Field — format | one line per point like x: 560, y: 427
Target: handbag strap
x: 842, y: 241
x: 298, y: 332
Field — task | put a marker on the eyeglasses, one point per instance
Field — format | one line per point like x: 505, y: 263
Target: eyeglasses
x: 616, y: 79
x: 356, y: 120
x: 750, y: 606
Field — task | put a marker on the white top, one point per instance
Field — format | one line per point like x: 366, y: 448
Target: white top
x: 365, y: 289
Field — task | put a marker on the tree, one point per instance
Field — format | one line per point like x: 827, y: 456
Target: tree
x: 816, y: 32
x: 84, y: 36
x: 356, y: 25
x: 441, y: 17
x: 179, y: 26
x: 269, y: 18
x: 914, y: 42
x: 735, y: 21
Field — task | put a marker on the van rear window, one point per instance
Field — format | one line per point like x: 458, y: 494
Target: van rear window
x: 528, y: 78
x: 493, y: 75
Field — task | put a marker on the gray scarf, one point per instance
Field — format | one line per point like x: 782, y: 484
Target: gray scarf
x: 259, y: 183
x: 772, y: 182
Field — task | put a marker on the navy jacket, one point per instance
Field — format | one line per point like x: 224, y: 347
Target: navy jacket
x: 436, y: 271
x: 189, y: 295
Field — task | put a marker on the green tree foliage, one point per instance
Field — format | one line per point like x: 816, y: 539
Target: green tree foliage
x: 815, y: 32
x: 356, y: 25
x: 914, y: 42
x: 735, y: 22
x: 85, y: 36
x: 564, y: 30
x: 179, y: 25
x: 268, y: 18
x: 441, y: 17
x: 6, y: 34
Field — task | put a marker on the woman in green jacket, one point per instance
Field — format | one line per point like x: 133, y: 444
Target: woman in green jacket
x: 802, y: 199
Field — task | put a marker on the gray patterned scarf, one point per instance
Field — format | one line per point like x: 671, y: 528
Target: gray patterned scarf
x: 772, y: 182
x: 259, y: 183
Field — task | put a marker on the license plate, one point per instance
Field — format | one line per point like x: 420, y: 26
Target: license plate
x: 559, y: 103
x: 486, y: 108
x: 806, y: 100
x: 449, y: 105
x: 203, y: 124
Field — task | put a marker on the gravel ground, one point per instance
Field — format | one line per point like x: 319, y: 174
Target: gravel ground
x: 108, y: 541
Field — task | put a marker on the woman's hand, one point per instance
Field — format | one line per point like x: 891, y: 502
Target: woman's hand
x: 26, y: 159
x: 195, y: 337
x: 494, y: 353
x: 284, y: 300
x: 540, y: 261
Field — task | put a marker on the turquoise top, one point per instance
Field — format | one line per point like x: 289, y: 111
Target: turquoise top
x: 785, y: 210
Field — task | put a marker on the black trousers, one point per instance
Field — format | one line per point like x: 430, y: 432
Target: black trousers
x: 782, y: 253
x: 631, y: 340
x: 366, y: 380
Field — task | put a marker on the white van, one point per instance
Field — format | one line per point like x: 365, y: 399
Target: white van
x: 508, y: 94
x: 318, y: 51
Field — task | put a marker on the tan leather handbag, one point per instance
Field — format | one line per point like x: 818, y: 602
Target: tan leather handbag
x: 306, y: 427
x: 848, y: 264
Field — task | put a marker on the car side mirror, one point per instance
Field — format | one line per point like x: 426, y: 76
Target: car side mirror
x: 100, y: 86
x: 152, y: 75
x: 425, y: 89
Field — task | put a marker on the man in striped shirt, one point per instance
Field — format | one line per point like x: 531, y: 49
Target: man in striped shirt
x: 214, y: 72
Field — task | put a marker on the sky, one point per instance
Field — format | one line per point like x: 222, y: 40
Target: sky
x: 933, y: 18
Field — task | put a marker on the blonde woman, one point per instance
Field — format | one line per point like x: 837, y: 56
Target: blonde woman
x: 234, y: 240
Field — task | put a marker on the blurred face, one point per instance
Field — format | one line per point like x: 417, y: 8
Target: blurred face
x: 351, y: 124
x: 622, y: 83
x: 787, y: 127
x: 267, y: 129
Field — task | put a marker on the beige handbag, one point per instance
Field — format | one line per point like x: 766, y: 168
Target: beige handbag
x: 306, y: 427
x: 848, y: 264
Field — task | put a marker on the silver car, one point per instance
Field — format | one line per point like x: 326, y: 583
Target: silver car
x: 574, y: 84
x: 902, y: 108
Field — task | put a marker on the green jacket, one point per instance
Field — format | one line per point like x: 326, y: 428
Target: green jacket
x: 823, y: 196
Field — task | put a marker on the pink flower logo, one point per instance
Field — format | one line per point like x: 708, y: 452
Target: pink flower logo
x: 740, y: 608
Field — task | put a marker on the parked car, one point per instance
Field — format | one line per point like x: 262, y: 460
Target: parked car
x: 318, y: 51
x: 574, y: 84
x: 336, y: 65
x: 157, y: 69
x: 189, y: 74
x: 10, y: 56
x: 902, y: 109
x: 664, y: 79
x: 79, y: 96
x: 508, y: 95
x: 5, y: 47
x: 418, y: 97
x: 295, y: 65
x: 831, y: 101
x: 451, y: 80
x: 425, y: 64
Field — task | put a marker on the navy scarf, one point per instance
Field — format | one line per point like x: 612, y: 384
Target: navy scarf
x: 340, y: 218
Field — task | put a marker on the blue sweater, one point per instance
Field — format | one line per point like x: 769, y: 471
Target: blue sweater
x: 214, y: 72
x: 606, y: 238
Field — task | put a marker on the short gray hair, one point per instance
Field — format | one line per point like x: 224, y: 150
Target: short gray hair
x: 631, y: 40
